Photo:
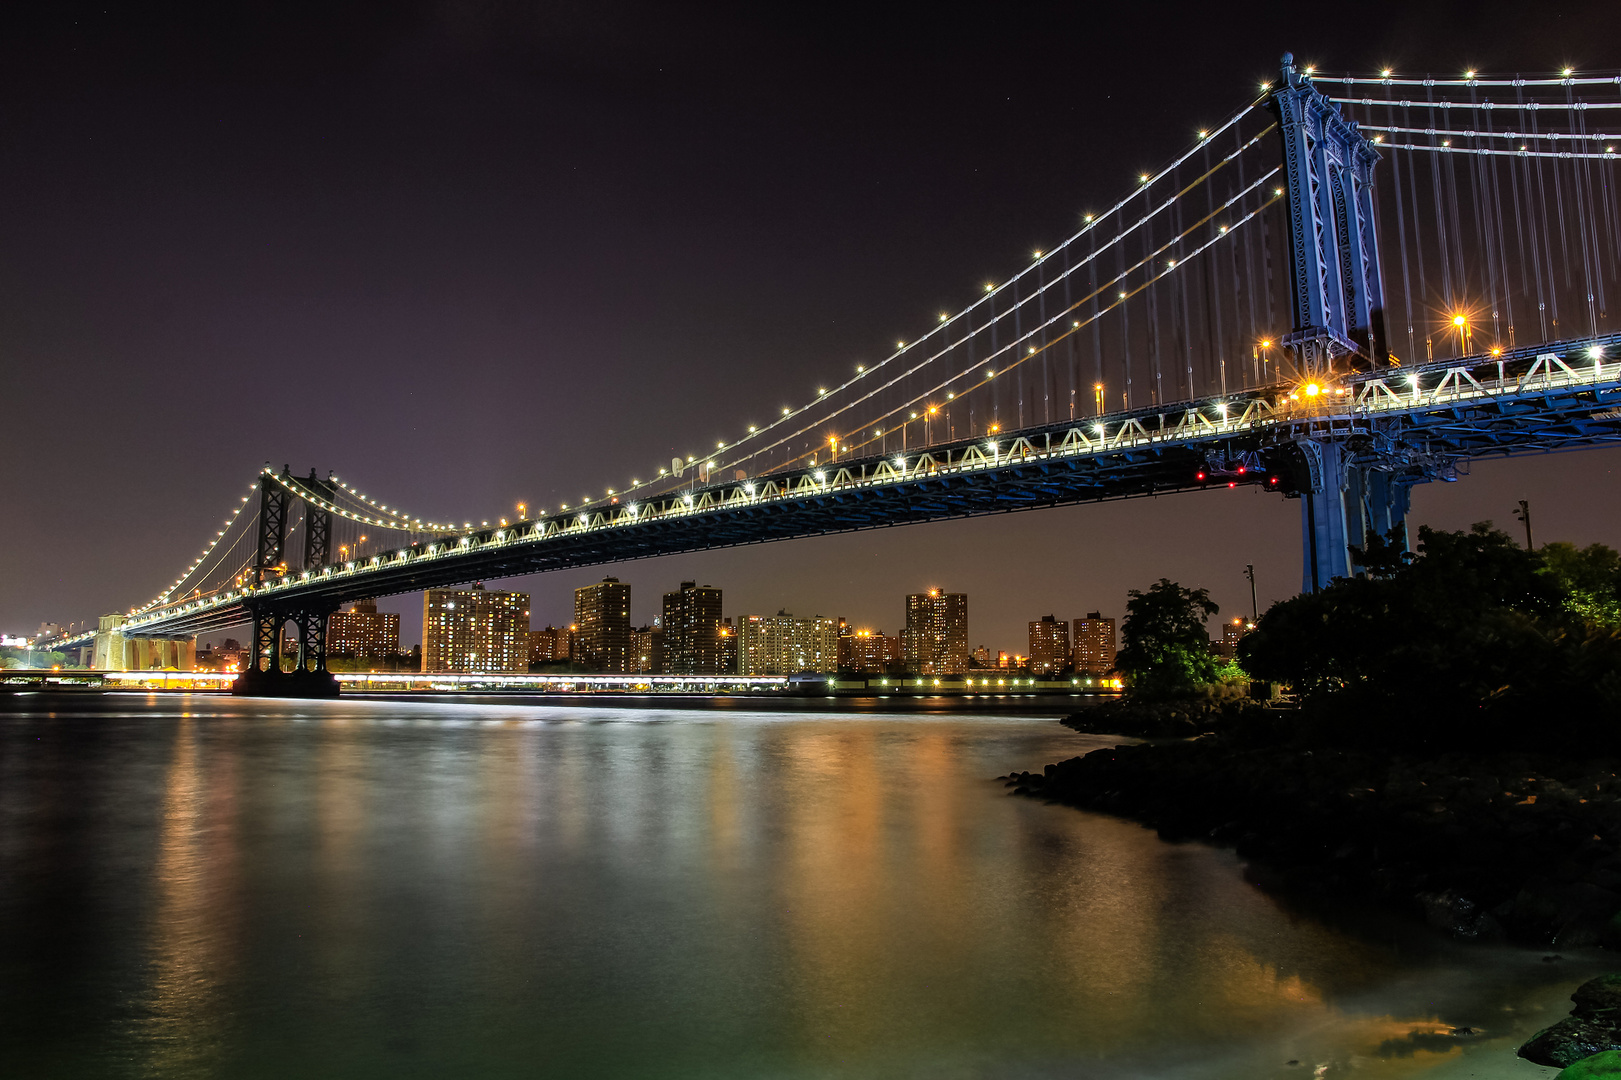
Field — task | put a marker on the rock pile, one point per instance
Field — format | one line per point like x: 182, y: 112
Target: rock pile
x: 1479, y: 845
x: 1593, y: 1027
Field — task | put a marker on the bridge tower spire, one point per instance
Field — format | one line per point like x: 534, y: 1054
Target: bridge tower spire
x: 1337, y: 296
x: 1336, y: 291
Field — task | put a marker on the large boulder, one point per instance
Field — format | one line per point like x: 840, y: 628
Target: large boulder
x: 1599, y: 999
x: 1593, y: 1027
x: 1604, y: 1066
x: 1570, y: 1040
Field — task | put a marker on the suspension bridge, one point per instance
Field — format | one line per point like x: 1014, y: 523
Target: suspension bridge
x: 1446, y: 246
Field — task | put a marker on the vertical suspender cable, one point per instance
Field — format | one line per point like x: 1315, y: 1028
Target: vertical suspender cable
x: 1041, y: 313
x: 1095, y: 287
x: 1494, y: 186
x: 1125, y: 321
x: 1249, y: 268
x: 1479, y: 188
x: 1069, y: 339
x: 1552, y: 328
x: 1418, y: 240
x: 1212, y: 289
x: 1587, y: 218
x: 1401, y: 237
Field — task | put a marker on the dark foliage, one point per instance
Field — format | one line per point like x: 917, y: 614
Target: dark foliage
x: 1473, y: 639
x: 1164, y: 649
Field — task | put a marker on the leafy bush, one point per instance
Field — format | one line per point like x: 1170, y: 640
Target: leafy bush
x: 1472, y: 639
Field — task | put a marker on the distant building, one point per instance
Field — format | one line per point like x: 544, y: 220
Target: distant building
x: 647, y: 652
x: 783, y: 645
x: 1232, y: 632
x: 692, y: 622
x: 728, y: 652
x: 981, y: 657
x: 229, y: 655
x: 475, y: 630
x: 363, y: 632
x: 602, y: 615
x: 1049, y: 646
x: 1094, y: 645
x: 935, y: 641
x: 549, y: 645
x: 867, y: 650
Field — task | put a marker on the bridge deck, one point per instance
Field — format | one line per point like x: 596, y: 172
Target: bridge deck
x: 1419, y: 420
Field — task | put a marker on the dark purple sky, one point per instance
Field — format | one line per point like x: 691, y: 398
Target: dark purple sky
x: 471, y: 254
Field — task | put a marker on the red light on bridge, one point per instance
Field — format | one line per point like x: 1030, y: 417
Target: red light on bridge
x: 1241, y: 470
x: 1231, y: 484
x: 1198, y: 476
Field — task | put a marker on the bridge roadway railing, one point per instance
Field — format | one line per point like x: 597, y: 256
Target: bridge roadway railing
x: 1112, y: 456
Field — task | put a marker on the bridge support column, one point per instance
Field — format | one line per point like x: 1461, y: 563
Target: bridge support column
x: 1344, y: 505
x: 309, y: 677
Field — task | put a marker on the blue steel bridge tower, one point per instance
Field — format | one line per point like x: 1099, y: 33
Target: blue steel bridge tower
x: 1351, y: 487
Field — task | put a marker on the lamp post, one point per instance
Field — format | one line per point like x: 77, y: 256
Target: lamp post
x: 1524, y: 514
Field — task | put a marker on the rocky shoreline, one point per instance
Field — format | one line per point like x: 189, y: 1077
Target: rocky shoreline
x: 1480, y: 845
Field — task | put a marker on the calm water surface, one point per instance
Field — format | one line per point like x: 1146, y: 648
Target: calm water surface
x: 208, y: 887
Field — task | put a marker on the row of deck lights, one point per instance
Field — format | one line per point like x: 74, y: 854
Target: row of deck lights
x: 1309, y: 390
x: 583, y: 519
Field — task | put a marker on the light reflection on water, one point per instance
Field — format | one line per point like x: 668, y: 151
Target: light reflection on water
x: 210, y: 887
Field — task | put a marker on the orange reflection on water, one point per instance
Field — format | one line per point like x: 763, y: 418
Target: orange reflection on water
x: 198, y: 909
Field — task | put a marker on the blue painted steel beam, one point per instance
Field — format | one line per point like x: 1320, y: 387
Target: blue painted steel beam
x: 1395, y: 447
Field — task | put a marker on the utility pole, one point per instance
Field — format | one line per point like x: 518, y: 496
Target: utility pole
x: 1524, y: 514
x: 1255, y: 608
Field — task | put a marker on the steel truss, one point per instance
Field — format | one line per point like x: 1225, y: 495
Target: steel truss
x: 1379, y: 434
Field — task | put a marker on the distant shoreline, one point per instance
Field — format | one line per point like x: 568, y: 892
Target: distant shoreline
x: 1022, y: 704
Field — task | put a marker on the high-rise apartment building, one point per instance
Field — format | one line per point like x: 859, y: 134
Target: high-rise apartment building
x: 783, y: 645
x: 1094, y: 644
x: 647, y: 653
x: 1232, y: 632
x: 549, y: 645
x: 1049, y: 646
x: 602, y: 617
x: 475, y: 630
x: 361, y: 631
x: 727, y: 654
x: 692, y: 622
x: 867, y: 651
x: 935, y: 641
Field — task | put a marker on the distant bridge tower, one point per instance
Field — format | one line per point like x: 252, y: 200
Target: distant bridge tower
x: 308, y: 676
x: 1351, y: 486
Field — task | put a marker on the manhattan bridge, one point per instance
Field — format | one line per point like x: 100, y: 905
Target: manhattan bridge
x: 1352, y: 285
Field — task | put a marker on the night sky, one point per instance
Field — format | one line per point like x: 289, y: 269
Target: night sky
x: 467, y: 255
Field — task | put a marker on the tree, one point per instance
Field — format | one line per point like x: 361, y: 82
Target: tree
x: 1164, y: 649
x: 1473, y: 641
x: 1590, y: 578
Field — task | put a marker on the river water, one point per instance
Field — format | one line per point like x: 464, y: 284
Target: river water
x: 212, y: 887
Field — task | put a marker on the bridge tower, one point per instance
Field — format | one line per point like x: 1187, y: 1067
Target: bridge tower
x: 1337, y: 298
x: 308, y: 677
